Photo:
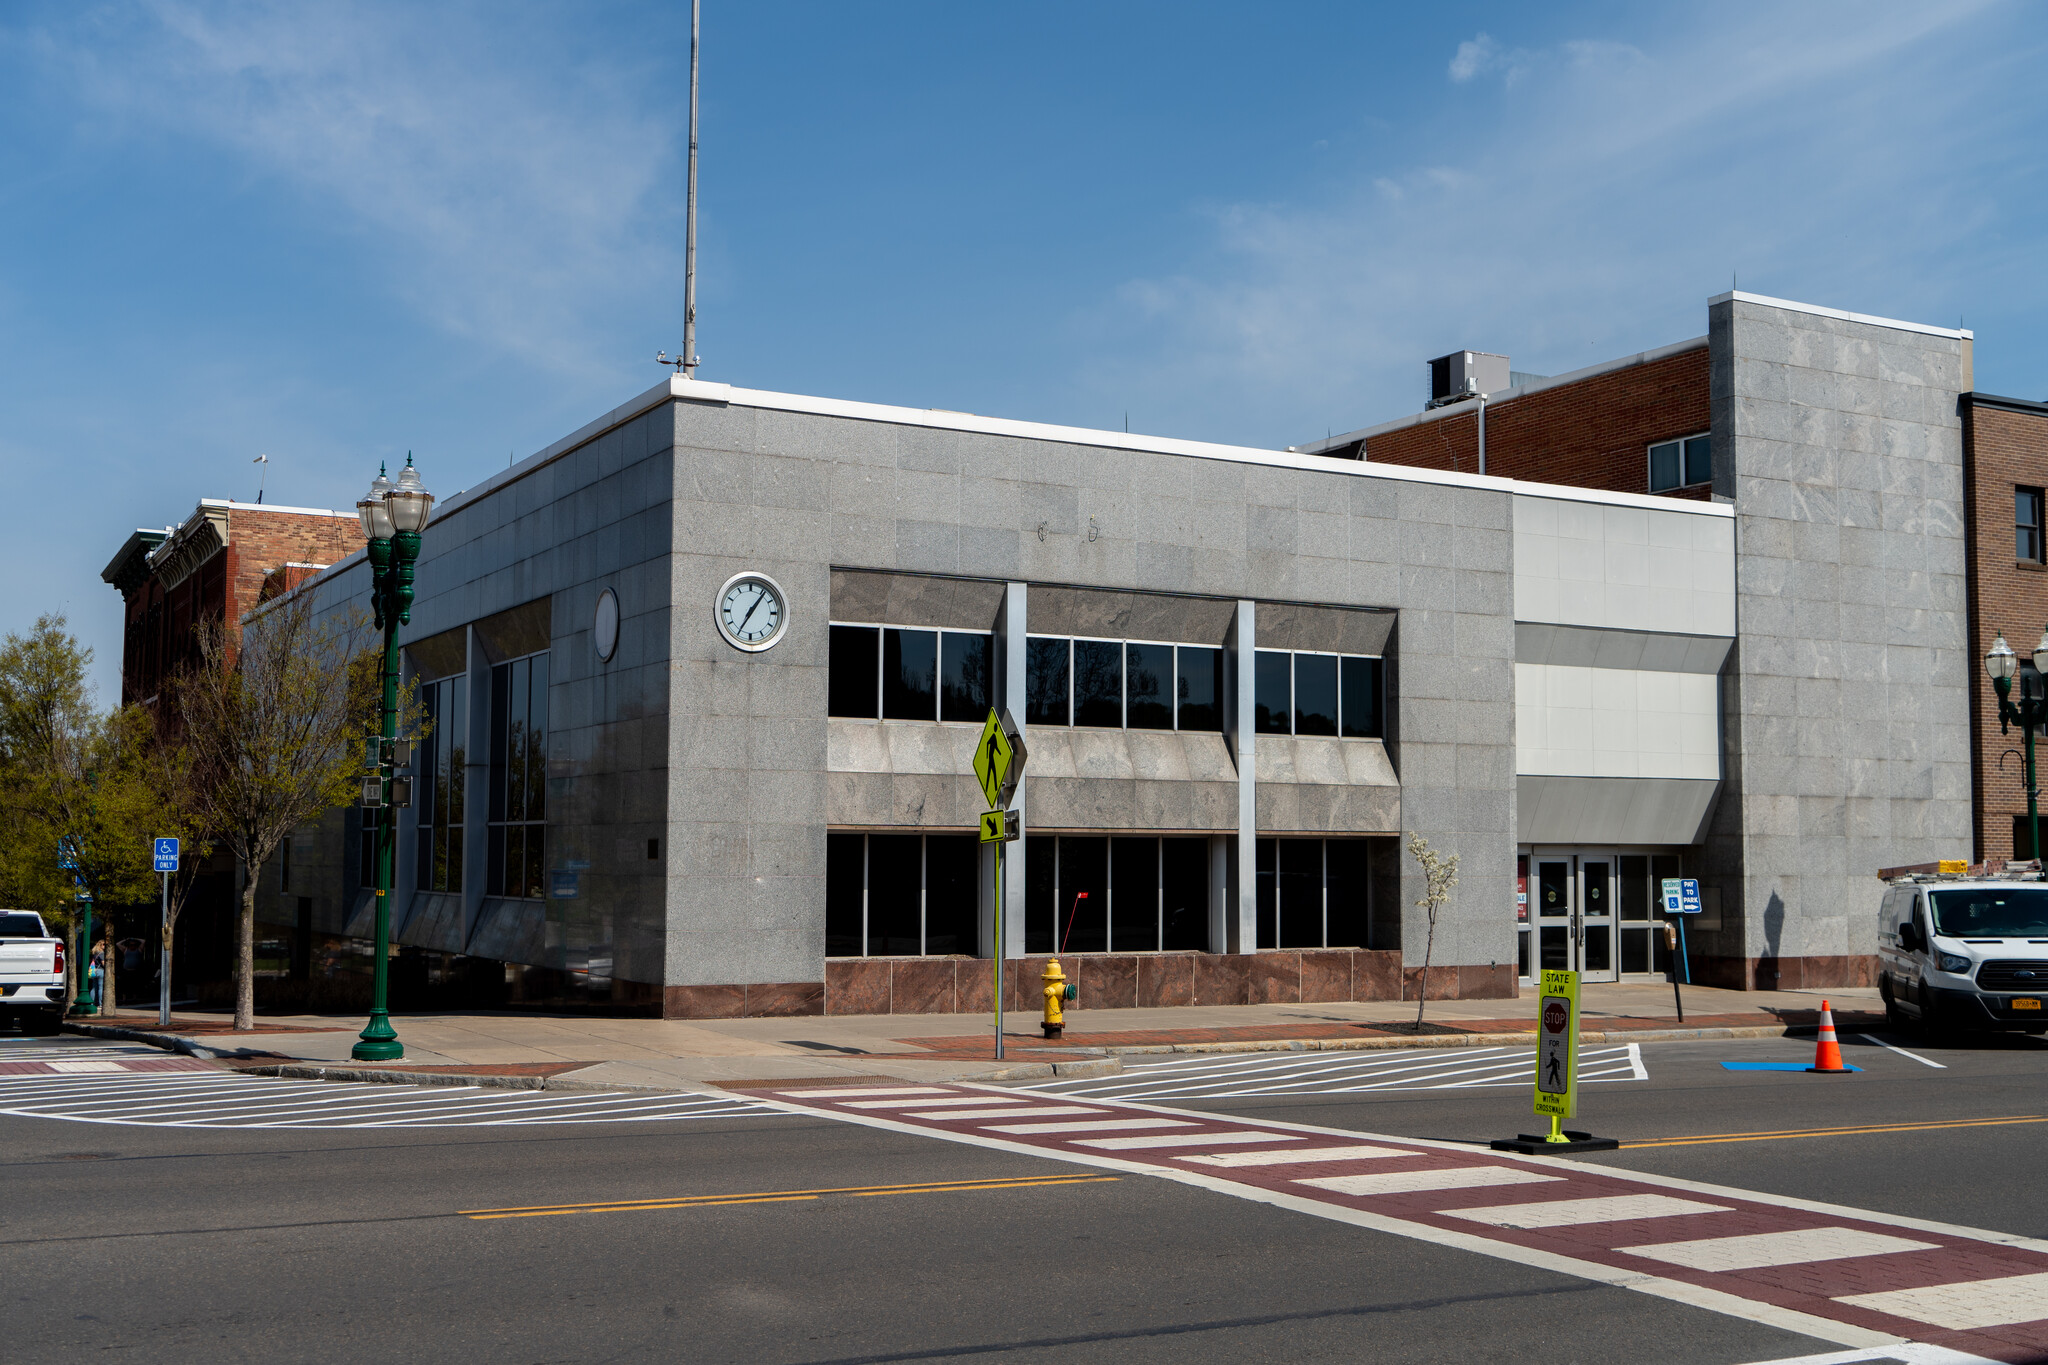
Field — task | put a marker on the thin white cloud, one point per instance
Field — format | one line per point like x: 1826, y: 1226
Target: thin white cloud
x: 510, y: 192
x: 1618, y: 188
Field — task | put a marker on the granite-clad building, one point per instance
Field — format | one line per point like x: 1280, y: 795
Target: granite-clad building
x: 707, y: 674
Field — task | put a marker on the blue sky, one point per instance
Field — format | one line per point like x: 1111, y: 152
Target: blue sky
x: 332, y: 233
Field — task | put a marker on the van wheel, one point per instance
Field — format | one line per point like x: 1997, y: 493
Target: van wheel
x: 1895, y: 1018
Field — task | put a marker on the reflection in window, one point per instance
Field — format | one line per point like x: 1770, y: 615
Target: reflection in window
x: 1312, y: 893
x: 1098, y: 683
x: 519, y: 768
x: 1315, y: 694
x: 1272, y: 694
x: 1361, y: 700
x: 900, y: 894
x: 910, y: 668
x: 1046, y: 682
x: 1200, y: 685
x: 964, y: 676
x: 438, y: 848
x: 1090, y: 894
x: 1681, y: 464
x: 1148, y: 687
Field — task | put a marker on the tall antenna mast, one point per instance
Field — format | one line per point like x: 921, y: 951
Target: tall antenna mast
x: 689, y: 366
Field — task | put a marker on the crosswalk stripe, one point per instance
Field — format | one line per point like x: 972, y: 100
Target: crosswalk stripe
x: 1417, y: 1182
x: 957, y: 1114
x: 1134, y: 1144
x: 1968, y: 1306
x: 1564, y: 1213
x: 1754, y: 1251
x: 1084, y: 1125
x: 1248, y: 1075
x: 1293, y: 1156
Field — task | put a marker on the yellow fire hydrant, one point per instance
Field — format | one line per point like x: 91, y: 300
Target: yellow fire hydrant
x: 1057, y: 991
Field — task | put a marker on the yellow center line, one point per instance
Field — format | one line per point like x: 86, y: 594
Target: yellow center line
x: 775, y: 1197
x: 1835, y: 1132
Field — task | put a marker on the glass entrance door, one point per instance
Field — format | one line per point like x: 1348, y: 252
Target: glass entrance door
x: 1574, y: 915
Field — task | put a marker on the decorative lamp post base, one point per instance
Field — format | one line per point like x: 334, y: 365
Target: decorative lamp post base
x: 378, y: 1042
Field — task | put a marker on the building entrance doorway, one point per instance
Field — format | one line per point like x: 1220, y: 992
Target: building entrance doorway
x: 1591, y: 911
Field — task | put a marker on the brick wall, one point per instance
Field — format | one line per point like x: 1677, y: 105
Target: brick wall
x: 1595, y: 433
x: 260, y: 541
x: 2002, y: 450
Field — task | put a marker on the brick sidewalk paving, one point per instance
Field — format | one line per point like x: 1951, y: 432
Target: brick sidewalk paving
x: 1844, y: 1275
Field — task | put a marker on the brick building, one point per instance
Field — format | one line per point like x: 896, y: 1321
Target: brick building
x: 2005, y: 463
x: 221, y: 562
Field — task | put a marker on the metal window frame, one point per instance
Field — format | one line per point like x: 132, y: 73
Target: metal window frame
x: 1650, y: 469
x: 2040, y: 531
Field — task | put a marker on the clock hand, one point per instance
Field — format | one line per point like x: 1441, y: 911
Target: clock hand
x: 759, y: 598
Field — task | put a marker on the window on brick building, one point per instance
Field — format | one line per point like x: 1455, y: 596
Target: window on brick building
x: 1682, y: 463
x: 2026, y: 516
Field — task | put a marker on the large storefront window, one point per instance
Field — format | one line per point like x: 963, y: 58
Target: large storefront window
x: 1312, y: 893
x: 519, y: 777
x: 438, y: 854
x: 1094, y: 894
x: 901, y: 895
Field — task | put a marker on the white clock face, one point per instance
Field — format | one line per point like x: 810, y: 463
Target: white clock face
x: 750, y: 612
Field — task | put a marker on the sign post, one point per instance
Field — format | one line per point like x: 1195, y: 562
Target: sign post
x: 165, y: 853
x: 998, y: 766
x: 1557, y: 1072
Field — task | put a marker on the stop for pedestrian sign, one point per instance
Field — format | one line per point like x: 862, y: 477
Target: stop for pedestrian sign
x: 1557, y: 1046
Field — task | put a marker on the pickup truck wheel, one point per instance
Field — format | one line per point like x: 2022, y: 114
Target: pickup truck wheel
x: 42, y: 1024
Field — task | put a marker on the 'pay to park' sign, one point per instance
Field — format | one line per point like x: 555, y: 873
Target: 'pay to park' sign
x: 1557, y: 1045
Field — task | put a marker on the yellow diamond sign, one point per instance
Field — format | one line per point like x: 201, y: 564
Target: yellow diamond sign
x: 993, y: 755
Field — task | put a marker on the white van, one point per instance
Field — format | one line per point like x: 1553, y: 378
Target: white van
x: 1957, y: 952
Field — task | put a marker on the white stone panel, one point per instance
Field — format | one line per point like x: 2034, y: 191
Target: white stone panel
x: 1624, y: 568
x: 1616, y: 722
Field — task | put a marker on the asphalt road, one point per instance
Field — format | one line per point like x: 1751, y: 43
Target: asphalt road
x: 172, y: 1244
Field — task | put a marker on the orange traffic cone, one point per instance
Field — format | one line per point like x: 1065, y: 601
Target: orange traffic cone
x: 1827, y: 1056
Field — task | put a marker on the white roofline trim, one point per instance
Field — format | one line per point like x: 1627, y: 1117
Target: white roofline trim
x: 1791, y: 305
x: 234, y: 506
x: 1468, y: 405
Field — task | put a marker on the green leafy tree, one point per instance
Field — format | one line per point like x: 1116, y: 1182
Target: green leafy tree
x: 273, y: 717
x: 74, y: 773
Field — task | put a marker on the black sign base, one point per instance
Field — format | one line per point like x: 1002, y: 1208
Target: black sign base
x: 1535, y: 1144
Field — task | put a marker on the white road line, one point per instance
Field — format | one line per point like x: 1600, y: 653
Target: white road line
x: 1294, y: 1155
x: 1132, y: 1144
x: 1003, y: 1113
x: 1340, y: 1073
x: 1906, y: 1353
x: 1966, y: 1306
x: 1085, y: 1125
x: 1416, y: 1182
x: 925, y: 1103
x: 1758, y: 1250
x: 1565, y: 1213
x: 1902, y: 1052
x: 871, y: 1090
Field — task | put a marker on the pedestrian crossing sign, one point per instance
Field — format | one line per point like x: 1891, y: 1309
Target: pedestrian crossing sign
x: 999, y: 758
x: 1557, y: 1045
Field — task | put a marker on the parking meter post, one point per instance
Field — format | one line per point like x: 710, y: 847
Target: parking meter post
x: 1684, y: 963
x: 999, y: 952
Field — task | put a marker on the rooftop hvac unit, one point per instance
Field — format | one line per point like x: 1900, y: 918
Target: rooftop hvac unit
x: 1461, y: 374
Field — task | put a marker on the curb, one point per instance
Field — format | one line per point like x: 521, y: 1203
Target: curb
x: 1041, y: 1071
x: 383, y: 1076
x: 1660, y: 1035
x: 169, y: 1042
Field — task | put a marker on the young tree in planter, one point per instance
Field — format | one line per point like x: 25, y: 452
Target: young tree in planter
x: 1439, y: 875
x: 275, y: 719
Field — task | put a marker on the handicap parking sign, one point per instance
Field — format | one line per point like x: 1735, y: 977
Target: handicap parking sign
x: 166, y: 855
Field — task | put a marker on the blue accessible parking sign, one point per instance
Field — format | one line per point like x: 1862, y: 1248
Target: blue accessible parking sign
x: 166, y: 855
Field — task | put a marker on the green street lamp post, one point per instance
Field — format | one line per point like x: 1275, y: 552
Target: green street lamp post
x: 2029, y: 712
x: 393, y: 515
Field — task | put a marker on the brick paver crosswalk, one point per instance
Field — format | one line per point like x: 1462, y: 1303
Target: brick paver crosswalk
x: 1850, y: 1276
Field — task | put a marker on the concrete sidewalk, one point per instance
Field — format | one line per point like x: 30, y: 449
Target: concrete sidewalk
x: 580, y: 1050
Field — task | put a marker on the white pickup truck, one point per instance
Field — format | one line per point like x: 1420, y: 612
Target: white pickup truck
x: 31, y: 974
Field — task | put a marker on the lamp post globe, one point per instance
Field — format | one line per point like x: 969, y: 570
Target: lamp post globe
x: 393, y: 514
x: 2041, y: 653
x: 2001, y: 662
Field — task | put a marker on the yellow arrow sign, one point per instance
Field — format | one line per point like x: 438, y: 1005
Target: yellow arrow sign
x: 992, y: 756
x: 993, y: 827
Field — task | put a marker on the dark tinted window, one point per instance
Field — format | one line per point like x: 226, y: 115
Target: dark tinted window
x: 1301, y: 893
x: 845, y: 871
x: 1134, y: 895
x: 1273, y: 700
x: 1098, y: 683
x: 1084, y: 867
x: 21, y: 926
x: 1345, y: 896
x: 1361, y: 700
x: 1148, y: 687
x: 1201, y: 688
x: 1184, y: 902
x: 895, y: 890
x: 910, y: 669
x: 851, y: 679
x: 1315, y: 694
x: 951, y: 886
x: 1045, y: 682
x: 2027, y: 524
x: 1665, y: 461
x: 964, y: 682
x: 1041, y: 890
x: 1699, y: 459
x: 1266, y: 892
